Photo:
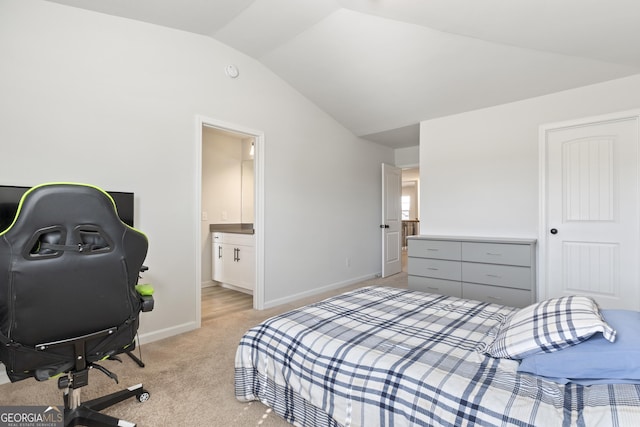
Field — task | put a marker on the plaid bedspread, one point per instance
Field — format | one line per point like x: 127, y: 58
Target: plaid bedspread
x: 391, y: 357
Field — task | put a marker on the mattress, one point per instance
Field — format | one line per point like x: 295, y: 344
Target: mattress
x: 382, y: 356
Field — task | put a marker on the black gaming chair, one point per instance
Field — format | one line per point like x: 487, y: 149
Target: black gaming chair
x: 68, y: 275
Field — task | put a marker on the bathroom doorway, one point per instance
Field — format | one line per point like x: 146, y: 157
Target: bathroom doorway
x: 229, y: 200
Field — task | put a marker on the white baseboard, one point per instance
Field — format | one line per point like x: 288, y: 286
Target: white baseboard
x: 331, y: 287
x: 207, y: 284
x: 148, y: 337
x: 236, y: 288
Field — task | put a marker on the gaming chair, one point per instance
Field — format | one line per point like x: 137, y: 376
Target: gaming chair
x: 68, y: 275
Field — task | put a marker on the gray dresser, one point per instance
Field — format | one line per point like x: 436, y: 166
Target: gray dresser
x: 500, y: 271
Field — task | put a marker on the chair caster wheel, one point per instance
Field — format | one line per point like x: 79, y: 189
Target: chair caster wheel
x: 143, y: 397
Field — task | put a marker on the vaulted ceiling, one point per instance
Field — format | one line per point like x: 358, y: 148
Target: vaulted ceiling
x: 381, y: 66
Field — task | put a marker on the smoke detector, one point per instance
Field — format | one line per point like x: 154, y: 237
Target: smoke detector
x: 232, y: 71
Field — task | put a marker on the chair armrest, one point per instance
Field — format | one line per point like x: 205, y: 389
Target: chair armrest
x: 147, y: 303
x: 145, y: 291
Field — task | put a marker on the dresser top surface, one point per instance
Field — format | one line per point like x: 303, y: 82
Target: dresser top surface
x: 519, y: 240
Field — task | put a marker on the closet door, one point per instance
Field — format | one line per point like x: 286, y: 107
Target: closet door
x: 592, y: 219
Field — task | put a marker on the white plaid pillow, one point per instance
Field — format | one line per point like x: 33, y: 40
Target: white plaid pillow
x: 549, y: 326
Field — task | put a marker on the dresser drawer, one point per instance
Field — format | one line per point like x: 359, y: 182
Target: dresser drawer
x: 497, y: 295
x: 500, y: 275
x: 436, y: 268
x: 435, y: 286
x: 434, y: 249
x: 497, y: 253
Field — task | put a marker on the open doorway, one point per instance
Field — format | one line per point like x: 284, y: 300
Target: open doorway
x: 229, y: 157
x: 410, y: 204
x: 228, y: 243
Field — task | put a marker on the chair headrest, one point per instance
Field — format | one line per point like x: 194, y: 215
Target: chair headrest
x: 61, y: 216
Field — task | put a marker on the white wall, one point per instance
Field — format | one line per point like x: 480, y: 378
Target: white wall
x: 93, y: 98
x: 221, y: 176
x: 479, y: 170
x: 407, y: 157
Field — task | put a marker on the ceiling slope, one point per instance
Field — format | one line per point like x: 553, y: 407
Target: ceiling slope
x: 380, y: 67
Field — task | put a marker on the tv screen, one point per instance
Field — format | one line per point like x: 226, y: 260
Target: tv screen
x: 10, y: 196
x: 124, y: 205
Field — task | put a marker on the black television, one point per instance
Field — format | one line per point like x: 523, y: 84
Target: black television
x: 10, y: 196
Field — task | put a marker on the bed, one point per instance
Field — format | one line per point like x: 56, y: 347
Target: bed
x: 380, y: 356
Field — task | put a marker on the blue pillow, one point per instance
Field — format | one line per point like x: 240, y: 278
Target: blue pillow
x: 595, y: 360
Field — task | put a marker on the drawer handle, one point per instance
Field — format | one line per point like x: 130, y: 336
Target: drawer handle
x: 494, y: 275
x: 431, y: 288
x: 433, y: 268
x: 494, y: 298
x: 432, y: 249
x: 493, y: 254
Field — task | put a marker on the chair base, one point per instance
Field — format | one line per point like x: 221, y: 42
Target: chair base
x: 86, y: 414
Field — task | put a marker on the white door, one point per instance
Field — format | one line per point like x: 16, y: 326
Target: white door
x: 592, y: 232
x: 391, y: 220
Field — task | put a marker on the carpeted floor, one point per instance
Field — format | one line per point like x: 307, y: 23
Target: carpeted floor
x: 189, y: 376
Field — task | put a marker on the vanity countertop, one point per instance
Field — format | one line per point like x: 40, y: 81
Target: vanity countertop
x: 239, y: 228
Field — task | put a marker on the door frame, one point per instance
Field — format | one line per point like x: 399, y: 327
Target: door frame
x: 258, y: 221
x: 542, y: 185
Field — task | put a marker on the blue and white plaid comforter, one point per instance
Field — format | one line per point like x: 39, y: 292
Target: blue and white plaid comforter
x: 393, y: 357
